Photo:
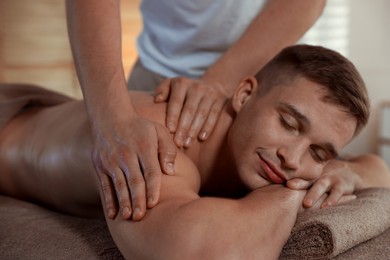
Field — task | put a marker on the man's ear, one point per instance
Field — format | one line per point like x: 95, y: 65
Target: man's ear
x: 246, y: 89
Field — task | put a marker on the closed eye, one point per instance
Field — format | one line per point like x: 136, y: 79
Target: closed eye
x: 287, y: 123
x: 319, y: 154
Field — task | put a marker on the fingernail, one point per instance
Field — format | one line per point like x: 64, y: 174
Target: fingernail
x: 158, y: 98
x: 137, y: 213
x: 110, y: 213
x: 178, y: 141
x: 170, y: 168
x: 203, y: 135
x: 308, y: 202
x: 126, y: 213
x: 298, y: 185
x: 188, y: 141
x: 171, y: 127
x: 150, y: 202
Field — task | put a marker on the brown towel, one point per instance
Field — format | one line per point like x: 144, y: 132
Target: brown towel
x: 326, y: 233
x: 16, y: 97
x: 28, y: 231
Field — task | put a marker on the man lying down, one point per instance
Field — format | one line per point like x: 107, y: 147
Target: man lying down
x: 274, y: 152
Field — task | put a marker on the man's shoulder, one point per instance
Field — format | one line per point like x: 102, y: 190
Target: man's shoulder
x: 144, y: 105
x: 184, y: 183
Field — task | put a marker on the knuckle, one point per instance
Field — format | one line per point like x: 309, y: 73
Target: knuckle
x: 322, y: 183
x: 337, y: 190
x: 198, y: 87
x: 202, y: 113
x: 106, y: 188
x: 167, y: 155
x: 149, y: 172
x: 178, y: 79
x: 135, y: 181
x: 176, y: 100
x: 183, y: 129
x: 145, y: 147
x: 120, y: 185
x: 215, y: 110
x: 190, y: 110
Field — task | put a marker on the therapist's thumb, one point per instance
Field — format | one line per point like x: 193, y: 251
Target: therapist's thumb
x: 166, y: 150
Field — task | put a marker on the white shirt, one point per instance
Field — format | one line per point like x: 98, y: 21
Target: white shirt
x: 185, y: 37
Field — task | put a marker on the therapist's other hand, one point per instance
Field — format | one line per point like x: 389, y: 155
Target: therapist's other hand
x: 193, y: 107
x: 337, y: 181
x: 129, y: 158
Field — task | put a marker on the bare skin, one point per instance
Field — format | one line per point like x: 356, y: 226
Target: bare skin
x: 44, y: 157
x: 119, y: 141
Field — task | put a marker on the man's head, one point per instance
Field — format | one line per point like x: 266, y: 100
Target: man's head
x: 304, y: 107
x: 338, y: 76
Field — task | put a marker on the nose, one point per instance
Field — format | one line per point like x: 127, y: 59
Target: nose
x: 290, y: 154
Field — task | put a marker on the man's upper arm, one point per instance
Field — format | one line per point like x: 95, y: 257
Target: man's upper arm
x: 135, y: 239
x: 183, y: 225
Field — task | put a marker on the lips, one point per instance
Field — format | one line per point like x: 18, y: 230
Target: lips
x: 272, y: 173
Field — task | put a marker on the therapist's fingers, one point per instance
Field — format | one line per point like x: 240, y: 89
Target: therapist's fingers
x: 189, y: 110
x: 108, y: 194
x: 166, y: 150
x: 134, y: 188
x: 199, y: 120
x: 162, y: 91
x: 212, y: 118
x: 176, y: 101
x: 114, y: 186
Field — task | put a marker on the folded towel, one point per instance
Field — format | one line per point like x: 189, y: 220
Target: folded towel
x: 326, y: 233
x: 376, y: 248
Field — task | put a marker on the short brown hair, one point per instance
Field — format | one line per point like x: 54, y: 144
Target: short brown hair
x: 344, y: 85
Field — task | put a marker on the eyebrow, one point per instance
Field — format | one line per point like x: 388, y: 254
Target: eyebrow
x: 304, y: 120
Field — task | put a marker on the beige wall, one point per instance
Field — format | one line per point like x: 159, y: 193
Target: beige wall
x: 370, y: 52
x: 34, y: 45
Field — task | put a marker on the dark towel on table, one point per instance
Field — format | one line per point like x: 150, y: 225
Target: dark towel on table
x: 326, y: 233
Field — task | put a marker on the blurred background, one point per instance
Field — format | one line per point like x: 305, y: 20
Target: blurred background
x: 34, y: 48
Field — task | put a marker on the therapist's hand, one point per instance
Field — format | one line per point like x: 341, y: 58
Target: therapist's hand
x: 193, y: 107
x: 129, y: 157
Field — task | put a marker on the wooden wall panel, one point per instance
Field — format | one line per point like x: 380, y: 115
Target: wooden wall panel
x: 34, y: 45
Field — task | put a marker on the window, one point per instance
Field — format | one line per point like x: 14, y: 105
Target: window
x: 332, y: 28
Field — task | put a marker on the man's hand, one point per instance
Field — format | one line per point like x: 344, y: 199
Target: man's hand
x: 335, y: 182
x: 193, y: 108
x: 127, y: 157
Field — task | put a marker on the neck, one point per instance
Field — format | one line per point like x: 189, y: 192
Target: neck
x: 216, y: 166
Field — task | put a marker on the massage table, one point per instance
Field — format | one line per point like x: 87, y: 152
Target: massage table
x: 357, y: 230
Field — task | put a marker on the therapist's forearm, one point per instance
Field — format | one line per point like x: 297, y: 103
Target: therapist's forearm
x: 95, y: 35
x: 279, y: 24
